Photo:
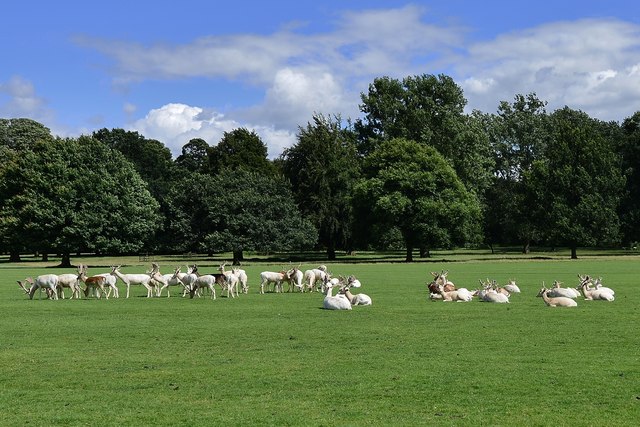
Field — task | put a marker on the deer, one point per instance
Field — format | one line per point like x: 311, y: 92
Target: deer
x: 49, y: 282
x: 139, y: 279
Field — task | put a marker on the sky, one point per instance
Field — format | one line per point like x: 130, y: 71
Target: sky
x: 174, y: 71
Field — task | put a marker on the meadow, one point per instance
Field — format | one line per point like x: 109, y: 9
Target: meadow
x: 280, y: 359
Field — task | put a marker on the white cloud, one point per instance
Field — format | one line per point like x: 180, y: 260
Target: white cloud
x: 295, y: 95
x: 362, y: 43
x: 584, y: 64
x: 22, y: 101
x: 129, y: 108
x: 176, y: 124
x: 479, y: 86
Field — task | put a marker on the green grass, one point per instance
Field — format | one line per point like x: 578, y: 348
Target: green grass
x: 279, y: 359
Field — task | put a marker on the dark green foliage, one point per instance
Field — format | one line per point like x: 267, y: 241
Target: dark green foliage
x: 195, y: 156
x: 151, y: 158
x: 412, y: 187
x: 322, y: 168
x: 535, y: 178
x: 629, y: 150
x: 424, y: 108
x: 21, y: 135
x: 427, y: 109
x: 578, y: 183
x: 252, y: 211
x: 68, y: 195
x: 187, y: 201
x: 518, y: 134
x: 240, y: 149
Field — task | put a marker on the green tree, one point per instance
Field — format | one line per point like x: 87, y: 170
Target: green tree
x: 187, y: 200
x: 428, y: 109
x: 17, y: 136
x: 69, y: 195
x: 518, y: 134
x: 630, y: 153
x: 424, y: 108
x: 473, y: 155
x: 578, y: 182
x: 322, y: 168
x: 240, y: 149
x: 153, y: 162
x: 253, y: 211
x: 21, y: 135
x: 151, y: 158
x: 412, y: 187
x: 195, y: 156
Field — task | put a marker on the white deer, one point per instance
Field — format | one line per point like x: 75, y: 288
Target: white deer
x: 239, y: 273
x: 48, y: 282
x: 71, y: 281
x: 232, y: 279
x: 594, y: 294
x: 598, y: 284
x: 267, y: 277
x: 137, y: 279
x: 357, y: 299
x: 205, y: 281
x: 172, y: 279
x: 555, y: 301
x: 314, y: 275
x: 339, y: 302
x: 187, y: 279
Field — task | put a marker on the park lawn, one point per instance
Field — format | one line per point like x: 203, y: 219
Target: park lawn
x: 280, y: 359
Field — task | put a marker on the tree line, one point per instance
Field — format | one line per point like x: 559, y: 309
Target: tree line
x: 414, y: 171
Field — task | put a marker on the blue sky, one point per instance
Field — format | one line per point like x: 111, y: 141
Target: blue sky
x: 181, y: 70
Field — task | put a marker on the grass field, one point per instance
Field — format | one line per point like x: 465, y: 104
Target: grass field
x: 280, y: 359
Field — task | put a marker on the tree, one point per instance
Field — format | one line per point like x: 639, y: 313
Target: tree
x: 253, y: 211
x: 322, y: 168
x: 425, y: 108
x: 195, y: 156
x: 240, y: 149
x: 17, y: 136
x: 21, y: 135
x: 411, y: 186
x: 630, y: 153
x: 187, y: 224
x: 67, y: 195
x: 153, y: 162
x: 428, y: 109
x: 578, y: 182
x: 472, y: 153
x: 518, y: 136
x: 151, y: 158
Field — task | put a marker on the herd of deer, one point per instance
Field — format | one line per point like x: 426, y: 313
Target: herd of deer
x: 193, y: 284
x: 440, y: 288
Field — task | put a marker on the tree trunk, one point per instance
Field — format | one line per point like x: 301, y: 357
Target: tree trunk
x: 574, y: 252
x: 527, y: 247
x: 424, y: 252
x: 409, y: 257
x: 331, y: 252
x: 65, y: 262
x: 45, y: 257
x: 14, y: 256
x: 238, y: 257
